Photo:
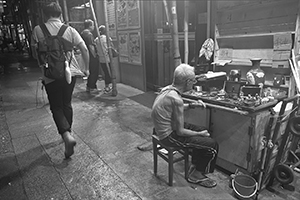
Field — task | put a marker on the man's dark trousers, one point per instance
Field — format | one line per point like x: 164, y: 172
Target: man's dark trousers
x: 59, y: 94
x: 94, y: 72
x: 204, y: 149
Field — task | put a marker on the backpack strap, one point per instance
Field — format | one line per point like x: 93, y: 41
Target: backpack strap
x: 60, y: 33
x: 62, y: 30
x: 45, y: 30
x: 47, y: 33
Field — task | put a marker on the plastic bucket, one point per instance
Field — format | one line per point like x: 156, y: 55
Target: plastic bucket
x: 244, y: 186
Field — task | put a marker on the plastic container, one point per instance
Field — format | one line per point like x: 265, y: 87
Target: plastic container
x: 244, y: 186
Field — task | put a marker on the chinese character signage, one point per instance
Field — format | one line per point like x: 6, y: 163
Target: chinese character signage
x: 111, y: 18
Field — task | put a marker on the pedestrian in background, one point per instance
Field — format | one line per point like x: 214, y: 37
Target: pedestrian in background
x: 89, y: 38
x: 104, y: 59
x: 60, y: 92
x: 4, y: 43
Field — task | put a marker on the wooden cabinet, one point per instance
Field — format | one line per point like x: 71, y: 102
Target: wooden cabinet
x: 198, y: 116
x: 239, y: 134
x: 239, y: 137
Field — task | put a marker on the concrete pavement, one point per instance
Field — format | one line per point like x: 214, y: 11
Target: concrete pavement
x: 106, y: 163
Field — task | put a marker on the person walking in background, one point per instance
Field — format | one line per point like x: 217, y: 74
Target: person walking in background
x: 168, y: 119
x: 4, y: 43
x: 104, y: 59
x: 88, y: 38
x: 60, y: 92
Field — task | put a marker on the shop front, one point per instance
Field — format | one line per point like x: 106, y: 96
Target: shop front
x: 253, y: 73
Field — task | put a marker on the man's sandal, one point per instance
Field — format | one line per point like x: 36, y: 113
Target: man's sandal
x: 107, y: 89
x: 205, y: 182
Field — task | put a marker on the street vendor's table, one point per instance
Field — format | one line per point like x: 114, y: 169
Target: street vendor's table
x: 238, y: 131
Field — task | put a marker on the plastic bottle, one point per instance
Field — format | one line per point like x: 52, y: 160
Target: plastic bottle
x: 68, y: 74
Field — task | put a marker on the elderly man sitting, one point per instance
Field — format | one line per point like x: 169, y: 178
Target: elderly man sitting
x: 168, y: 118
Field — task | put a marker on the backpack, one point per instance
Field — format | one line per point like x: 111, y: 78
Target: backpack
x: 52, y: 53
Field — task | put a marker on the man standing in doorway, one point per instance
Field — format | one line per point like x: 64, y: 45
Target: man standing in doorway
x: 104, y: 59
x: 88, y: 38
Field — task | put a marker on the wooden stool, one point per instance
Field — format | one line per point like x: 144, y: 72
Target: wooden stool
x: 169, y: 157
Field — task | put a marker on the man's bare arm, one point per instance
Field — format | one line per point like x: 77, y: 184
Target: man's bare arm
x: 85, y: 56
x: 92, y: 49
x: 178, y: 114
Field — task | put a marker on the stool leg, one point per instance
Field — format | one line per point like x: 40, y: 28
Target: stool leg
x: 170, y: 157
x: 154, y: 157
x: 186, y: 164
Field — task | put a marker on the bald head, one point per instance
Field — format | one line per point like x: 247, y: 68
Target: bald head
x: 182, y: 73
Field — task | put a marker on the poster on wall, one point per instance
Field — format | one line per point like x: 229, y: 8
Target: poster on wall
x: 128, y: 14
x: 123, y: 46
x: 134, y: 47
x: 122, y: 13
x: 133, y: 14
x: 111, y: 18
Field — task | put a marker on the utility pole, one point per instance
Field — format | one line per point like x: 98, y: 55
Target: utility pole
x: 176, y: 53
x: 112, y: 69
x: 186, y: 31
x: 66, y: 15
